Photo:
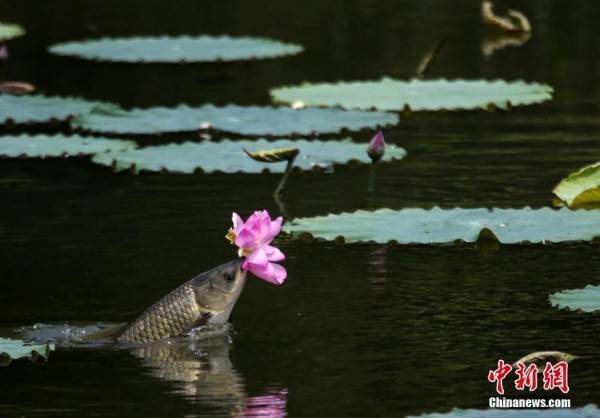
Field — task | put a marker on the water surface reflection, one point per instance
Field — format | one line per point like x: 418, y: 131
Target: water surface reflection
x: 202, y: 372
x: 198, y: 367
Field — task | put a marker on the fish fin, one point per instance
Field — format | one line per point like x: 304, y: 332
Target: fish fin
x: 203, y: 319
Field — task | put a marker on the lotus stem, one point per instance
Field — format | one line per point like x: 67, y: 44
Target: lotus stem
x: 286, y: 175
x: 372, y: 175
x: 281, y: 206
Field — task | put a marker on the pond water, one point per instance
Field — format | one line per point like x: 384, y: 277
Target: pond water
x: 357, y: 330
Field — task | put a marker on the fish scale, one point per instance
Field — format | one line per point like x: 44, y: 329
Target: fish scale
x: 169, y: 317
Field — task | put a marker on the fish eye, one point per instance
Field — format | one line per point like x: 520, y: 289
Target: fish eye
x: 229, y: 277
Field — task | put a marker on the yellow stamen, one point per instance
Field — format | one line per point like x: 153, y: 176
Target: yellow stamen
x: 242, y: 252
x: 231, y: 238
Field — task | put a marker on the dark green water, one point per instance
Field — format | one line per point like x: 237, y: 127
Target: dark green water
x: 356, y: 331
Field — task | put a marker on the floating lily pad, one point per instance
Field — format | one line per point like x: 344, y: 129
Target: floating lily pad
x: 389, y: 94
x: 42, y: 146
x: 580, y: 188
x: 18, y: 349
x: 229, y: 157
x: 176, y: 49
x: 237, y: 119
x: 447, y: 225
x: 586, y: 299
x: 9, y: 31
x: 37, y: 109
x: 589, y: 411
x: 274, y: 155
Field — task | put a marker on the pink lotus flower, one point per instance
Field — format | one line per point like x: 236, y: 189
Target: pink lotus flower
x: 376, y: 147
x: 253, y: 238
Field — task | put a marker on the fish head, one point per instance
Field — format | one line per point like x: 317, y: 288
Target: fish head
x: 218, y: 289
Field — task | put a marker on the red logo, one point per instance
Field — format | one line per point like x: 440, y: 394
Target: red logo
x: 527, y: 377
x: 499, y: 374
x: 555, y: 376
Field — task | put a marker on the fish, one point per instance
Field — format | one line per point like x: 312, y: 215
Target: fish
x: 207, y: 299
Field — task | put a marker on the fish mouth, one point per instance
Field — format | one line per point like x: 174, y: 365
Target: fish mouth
x: 216, y: 296
x: 238, y: 262
x: 206, y: 276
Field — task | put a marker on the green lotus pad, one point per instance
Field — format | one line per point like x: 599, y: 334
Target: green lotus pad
x: 586, y: 299
x: 236, y: 119
x: 229, y: 157
x: 437, y: 225
x: 17, y: 349
x: 37, y: 109
x: 580, y: 188
x: 9, y: 31
x: 42, y: 146
x: 589, y: 411
x: 176, y: 49
x: 389, y: 94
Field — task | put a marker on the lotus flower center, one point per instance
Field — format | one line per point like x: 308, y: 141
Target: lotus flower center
x: 231, y: 236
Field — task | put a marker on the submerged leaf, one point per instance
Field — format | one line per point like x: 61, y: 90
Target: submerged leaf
x: 17, y: 349
x: 437, y: 225
x: 580, y: 188
x: 543, y: 356
x: 589, y: 411
x: 586, y: 299
x: 227, y: 156
x: 42, y: 146
x: 389, y: 94
x: 9, y: 31
x: 275, y: 155
x: 37, y: 109
x: 176, y: 49
x: 252, y: 120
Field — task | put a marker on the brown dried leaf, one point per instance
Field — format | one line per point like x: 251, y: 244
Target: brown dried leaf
x: 275, y: 155
x: 521, y: 20
x: 495, y: 41
x: 542, y: 356
x: 514, y: 22
x: 17, y: 88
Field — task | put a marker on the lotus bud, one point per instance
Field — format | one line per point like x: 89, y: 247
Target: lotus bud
x: 376, y: 148
x: 3, y: 52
